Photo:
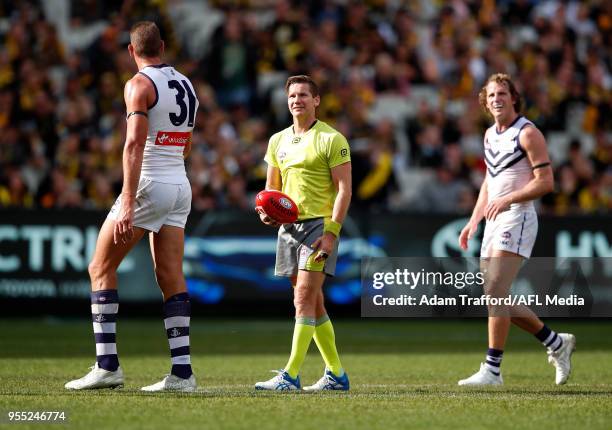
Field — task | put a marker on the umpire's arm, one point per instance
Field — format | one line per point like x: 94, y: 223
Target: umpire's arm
x: 341, y: 175
x: 273, y: 179
x: 273, y: 182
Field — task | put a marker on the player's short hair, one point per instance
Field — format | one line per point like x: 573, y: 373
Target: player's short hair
x: 303, y: 79
x: 146, y: 39
x: 500, y: 78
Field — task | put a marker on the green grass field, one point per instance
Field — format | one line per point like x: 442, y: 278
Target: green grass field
x: 403, y: 375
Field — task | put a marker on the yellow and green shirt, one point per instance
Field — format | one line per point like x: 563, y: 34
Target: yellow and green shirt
x: 305, y: 164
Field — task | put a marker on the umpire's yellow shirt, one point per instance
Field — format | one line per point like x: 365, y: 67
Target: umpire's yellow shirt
x: 305, y: 164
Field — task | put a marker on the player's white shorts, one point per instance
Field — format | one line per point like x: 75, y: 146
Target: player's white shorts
x: 158, y: 204
x: 512, y: 231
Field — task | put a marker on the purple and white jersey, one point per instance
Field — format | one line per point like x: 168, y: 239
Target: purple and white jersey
x: 171, y: 120
x: 508, y: 168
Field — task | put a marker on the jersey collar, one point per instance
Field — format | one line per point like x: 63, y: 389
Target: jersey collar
x: 311, y: 125
x: 511, y: 124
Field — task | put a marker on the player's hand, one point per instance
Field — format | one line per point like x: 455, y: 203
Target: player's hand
x: 266, y: 219
x: 324, y: 245
x: 466, y: 234
x: 495, y: 207
x: 124, y: 226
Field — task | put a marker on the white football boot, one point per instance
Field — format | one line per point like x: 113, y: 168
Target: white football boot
x: 281, y: 382
x: 562, y: 358
x: 97, y: 378
x: 330, y: 382
x: 483, y: 377
x: 174, y: 383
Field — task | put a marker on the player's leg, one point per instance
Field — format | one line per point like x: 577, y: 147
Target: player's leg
x: 104, y: 306
x: 294, y: 254
x: 305, y: 295
x: 167, y: 247
x: 334, y: 376
x: 499, y: 272
x: 559, y: 346
x: 325, y: 338
x: 527, y: 320
x: 289, y: 239
x: 306, y: 286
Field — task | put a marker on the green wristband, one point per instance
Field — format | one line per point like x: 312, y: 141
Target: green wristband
x: 331, y: 226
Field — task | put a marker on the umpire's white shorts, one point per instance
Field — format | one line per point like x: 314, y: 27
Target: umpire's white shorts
x: 512, y: 231
x: 158, y: 204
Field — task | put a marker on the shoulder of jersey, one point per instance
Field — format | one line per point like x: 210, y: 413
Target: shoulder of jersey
x: 277, y: 136
x: 326, y: 130
x: 322, y: 126
x: 141, y: 77
x: 528, y: 123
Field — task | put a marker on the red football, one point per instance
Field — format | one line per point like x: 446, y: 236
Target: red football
x: 277, y: 206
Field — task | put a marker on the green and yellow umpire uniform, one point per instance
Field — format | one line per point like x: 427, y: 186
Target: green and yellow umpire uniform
x: 305, y: 164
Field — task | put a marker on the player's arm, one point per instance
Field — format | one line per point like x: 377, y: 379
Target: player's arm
x: 136, y: 102
x: 477, y: 215
x: 341, y: 177
x: 273, y: 182
x: 532, y: 140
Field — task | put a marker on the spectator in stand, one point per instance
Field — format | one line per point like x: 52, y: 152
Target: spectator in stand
x: 62, y: 120
x: 14, y: 192
x: 232, y: 54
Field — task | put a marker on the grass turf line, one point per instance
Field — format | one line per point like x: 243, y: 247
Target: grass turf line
x: 403, y: 375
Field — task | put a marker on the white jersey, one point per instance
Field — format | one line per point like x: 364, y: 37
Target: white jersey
x: 171, y: 120
x: 508, y: 168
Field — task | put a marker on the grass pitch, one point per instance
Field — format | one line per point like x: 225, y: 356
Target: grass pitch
x: 403, y: 375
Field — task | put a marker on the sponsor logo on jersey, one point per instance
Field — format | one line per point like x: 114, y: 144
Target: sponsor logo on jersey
x: 173, y: 138
x: 343, y: 152
x: 282, y: 155
x: 506, y: 235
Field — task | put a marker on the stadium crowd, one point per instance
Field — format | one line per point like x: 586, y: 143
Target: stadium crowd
x: 399, y: 80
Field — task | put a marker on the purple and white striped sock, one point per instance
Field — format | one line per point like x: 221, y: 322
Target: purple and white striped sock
x: 493, y: 360
x: 177, y: 313
x: 549, y: 338
x: 104, y: 308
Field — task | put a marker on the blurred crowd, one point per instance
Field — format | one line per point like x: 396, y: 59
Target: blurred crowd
x: 399, y: 79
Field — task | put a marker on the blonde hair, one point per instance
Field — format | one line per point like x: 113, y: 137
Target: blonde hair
x: 500, y: 78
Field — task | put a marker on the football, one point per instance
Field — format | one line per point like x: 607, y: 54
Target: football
x: 277, y: 206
